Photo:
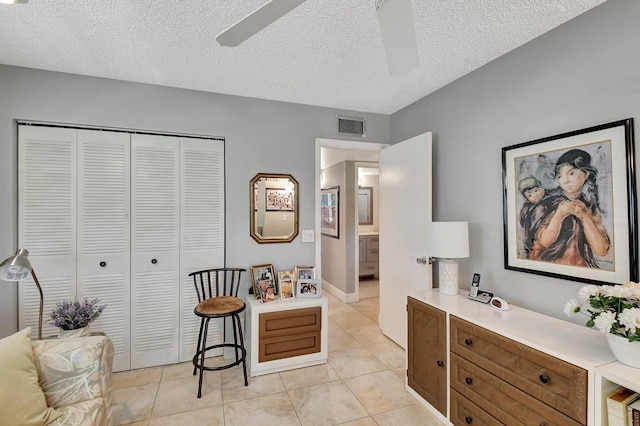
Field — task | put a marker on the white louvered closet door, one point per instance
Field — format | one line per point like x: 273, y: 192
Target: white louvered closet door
x: 104, y: 236
x: 155, y: 218
x: 46, y: 219
x: 202, y: 238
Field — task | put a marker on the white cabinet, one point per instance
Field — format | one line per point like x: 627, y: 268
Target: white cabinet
x: 285, y: 334
x: 124, y: 218
x: 369, y: 253
x: 609, y: 377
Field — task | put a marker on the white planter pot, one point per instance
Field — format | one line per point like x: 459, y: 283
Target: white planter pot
x: 78, y: 332
x: 626, y: 352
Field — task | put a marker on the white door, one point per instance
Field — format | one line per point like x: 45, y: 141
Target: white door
x: 405, y: 209
x: 201, y: 231
x: 155, y: 242
x: 103, y: 235
x: 46, y: 219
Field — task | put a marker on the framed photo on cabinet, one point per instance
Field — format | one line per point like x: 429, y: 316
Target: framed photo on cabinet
x: 262, y: 273
x: 308, y: 288
x: 286, y: 284
x: 570, y: 205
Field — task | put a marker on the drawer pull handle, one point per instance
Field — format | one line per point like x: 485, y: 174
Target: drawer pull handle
x: 154, y: 261
x: 468, y: 380
x: 468, y: 342
x: 468, y: 419
x: 103, y: 263
x: 440, y: 363
x: 544, y: 379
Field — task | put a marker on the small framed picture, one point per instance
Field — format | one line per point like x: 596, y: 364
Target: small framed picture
x: 304, y: 272
x: 308, y: 288
x: 286, y: 284
x: 267, y: 290
x: 262, y: 273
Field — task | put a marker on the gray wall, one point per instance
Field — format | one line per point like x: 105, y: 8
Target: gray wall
x: 261, y: 136
x: 583, y: 73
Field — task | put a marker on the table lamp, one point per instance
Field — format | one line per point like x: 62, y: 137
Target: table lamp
x: 17, y: 268
x: 448, y: 241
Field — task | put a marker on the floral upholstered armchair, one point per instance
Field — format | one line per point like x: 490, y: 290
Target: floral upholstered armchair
x: 75, y: 376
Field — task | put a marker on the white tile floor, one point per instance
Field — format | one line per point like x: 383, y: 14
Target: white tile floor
x: 361, y: 384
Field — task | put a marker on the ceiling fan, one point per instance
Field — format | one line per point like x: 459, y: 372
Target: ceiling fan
x: 394, y: 16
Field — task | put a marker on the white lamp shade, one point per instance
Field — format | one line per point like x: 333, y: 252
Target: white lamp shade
x: 448, y: 240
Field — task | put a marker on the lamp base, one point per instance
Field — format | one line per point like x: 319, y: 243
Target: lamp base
x: 448, y: 277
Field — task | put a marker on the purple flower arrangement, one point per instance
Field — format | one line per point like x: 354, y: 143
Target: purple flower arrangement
x: 70, y: 315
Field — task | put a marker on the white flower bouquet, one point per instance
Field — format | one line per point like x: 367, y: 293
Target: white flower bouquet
x: 611, y: 309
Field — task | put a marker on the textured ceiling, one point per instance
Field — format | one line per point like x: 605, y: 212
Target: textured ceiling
x: 325, y: 52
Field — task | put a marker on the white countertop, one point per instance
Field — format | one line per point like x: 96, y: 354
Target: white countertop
x: 577, y: 344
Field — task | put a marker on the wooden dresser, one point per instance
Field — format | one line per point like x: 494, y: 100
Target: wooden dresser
x: 515, y: 367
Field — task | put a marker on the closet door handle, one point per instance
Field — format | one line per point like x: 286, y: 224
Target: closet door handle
x: 103, y: 264
x: 154, y: 261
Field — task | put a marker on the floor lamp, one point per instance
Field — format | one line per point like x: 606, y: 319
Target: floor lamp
x: 448, y: 241
x: 17, y: 268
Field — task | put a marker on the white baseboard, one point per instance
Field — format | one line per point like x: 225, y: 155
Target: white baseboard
x: 341, y: 295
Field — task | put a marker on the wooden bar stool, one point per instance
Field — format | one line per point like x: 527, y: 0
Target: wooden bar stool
x: 218, y: 299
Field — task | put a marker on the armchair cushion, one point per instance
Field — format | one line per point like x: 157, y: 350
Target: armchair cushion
x: 22, y: 401
x: 75, y: 375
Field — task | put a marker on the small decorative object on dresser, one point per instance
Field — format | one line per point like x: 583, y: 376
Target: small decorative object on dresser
x: 73, y: 317
x: 614, y: 310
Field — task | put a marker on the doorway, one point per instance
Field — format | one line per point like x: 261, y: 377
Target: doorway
x: 345, y: 283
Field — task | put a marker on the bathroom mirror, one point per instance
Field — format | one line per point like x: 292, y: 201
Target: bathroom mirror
x: 365, y: 205
x: 274, y: 208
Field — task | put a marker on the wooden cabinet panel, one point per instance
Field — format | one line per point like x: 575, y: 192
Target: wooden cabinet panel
x: 289, y: 346
x: 285, y: 334
x: 465, y: 412
x: 503, y: 401
x: 559, y: 384
x: 426, y: 358
x: 290, y: 322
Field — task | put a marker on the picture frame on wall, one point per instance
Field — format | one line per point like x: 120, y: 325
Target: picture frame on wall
x: 261, y: 273
x: 569, y: 205
x: 308, y: 288
x: 330, y: 211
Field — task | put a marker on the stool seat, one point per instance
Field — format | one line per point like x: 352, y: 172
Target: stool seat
x: 221, y: 305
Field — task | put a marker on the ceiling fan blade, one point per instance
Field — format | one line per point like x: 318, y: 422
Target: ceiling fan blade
x: 398, y: 36
x: 256, y: 21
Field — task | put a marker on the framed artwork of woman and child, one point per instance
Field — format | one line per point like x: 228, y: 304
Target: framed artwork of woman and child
x: 570, y: 205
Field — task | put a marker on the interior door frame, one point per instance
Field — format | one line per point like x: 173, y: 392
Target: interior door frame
x: 337, y: 144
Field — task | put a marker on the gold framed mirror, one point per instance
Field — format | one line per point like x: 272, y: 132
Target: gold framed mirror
x: 274, y: 208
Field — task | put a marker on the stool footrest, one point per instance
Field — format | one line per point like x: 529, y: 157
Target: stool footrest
x: 198, y: 355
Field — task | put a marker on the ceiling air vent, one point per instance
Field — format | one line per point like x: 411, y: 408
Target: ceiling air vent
x: 351, y: 126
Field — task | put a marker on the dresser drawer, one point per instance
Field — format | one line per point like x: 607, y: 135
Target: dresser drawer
x: 373, y: 242
x: 293, y: 321
x: 288, y: 346
x: 368, y: 268
x: 557, y: 383
x: 506, y: 403
x: 465, y: 412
